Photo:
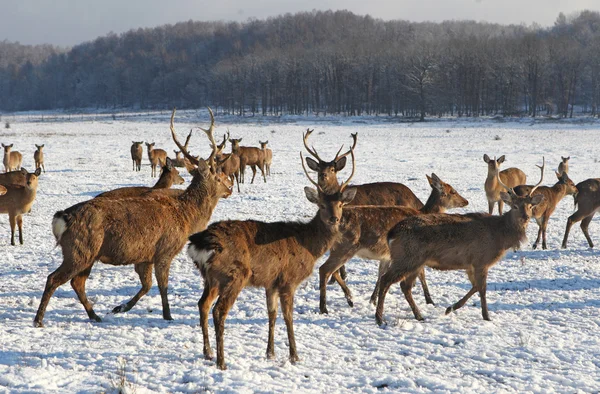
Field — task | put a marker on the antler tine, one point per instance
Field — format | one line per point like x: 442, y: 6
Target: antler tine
x: 182, y: 148
x: 312, y: 151
x: 308, y: 176
x: 343, y: 187
x: 211, y: 137
x: 508, y: 189
x: 354, y: 138
x: 187, y: 140
x: 541, y: 177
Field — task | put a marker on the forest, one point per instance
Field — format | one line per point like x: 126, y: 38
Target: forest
x: 319, y: 63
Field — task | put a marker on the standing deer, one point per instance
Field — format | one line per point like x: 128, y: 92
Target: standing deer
x: 552, y: 196
x: 364, y: 232
x: 144, y: 231
x: 511, y: 177
x: 231, y: 162
x: 157, y: 157
x: 232, y: 255
x: 18, y: 200
x: 38, y: 157
x: 268, y: 156
x: 563, y: 166
x: 473, y: 242
x: 12, y: 159
x: 137, y: 151
x: 587, y: 201
x: 249, y: 156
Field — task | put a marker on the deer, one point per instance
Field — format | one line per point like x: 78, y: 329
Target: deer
x: 230, y: 162
x: 249, y: 156
x: 278, y: 256
x: 552, y: 196
x: 157, y: 157
x: 473, y: 242
x: 17, y: 200
x: 563, y: 166
x: 18, y: 177
x: 511, y: 177
x: 268, y: 156
x: 12, y: 159
x: 144, y: 231
x: 137, y: 151
x: 364, y: 232
x: 587, y: 202
x: 38, y: 157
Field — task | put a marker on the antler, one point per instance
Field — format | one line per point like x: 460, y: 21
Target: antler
x: 182, y: 148
x: 211, y: 137
x: 187, y: 140
x: 541, y: 177
x: 337, y: 156
x: 312, y: 151
x: 343, y: 187
x: 508, y: 189
x: 308, y: 176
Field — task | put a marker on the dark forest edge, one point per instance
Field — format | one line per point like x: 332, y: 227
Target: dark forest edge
x: 319, y: 63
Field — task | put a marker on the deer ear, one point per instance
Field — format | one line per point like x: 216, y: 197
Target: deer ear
x: 435, y: 182
x: 41, y: 146
x: 312, y: 195
x: 169, y: 163
x: 312, y: 164
x: 38, y: 172
x: 486, y: 158
x: 506, y: 198
x: 348, y: 195
x: 538, y: 198
x: 266, y: 142
x: 501, y: 159
x: 340, y: 164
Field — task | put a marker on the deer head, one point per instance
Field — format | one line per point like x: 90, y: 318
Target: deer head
x: 521, y: 207
x: 449, y: 198
x: 493, y: 164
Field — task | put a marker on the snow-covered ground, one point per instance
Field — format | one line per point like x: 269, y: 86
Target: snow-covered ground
x: 545, y: 305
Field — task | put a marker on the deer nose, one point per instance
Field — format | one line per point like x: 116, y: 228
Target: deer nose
x: 334, y: 220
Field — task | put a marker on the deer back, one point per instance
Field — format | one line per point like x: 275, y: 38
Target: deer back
x: 587, y: 198
x: 387, y: 194
x: 137, y: 151
x: 18, y: 177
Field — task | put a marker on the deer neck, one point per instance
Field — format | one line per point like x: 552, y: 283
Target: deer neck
x: 198, y: 202
x: 512, y: 231
x: 164, y: 182
x: 433, y: 203
x: 316, y: 237
x: 559, y: 190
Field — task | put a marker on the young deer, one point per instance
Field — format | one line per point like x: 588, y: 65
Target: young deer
x: 268, y: 156
x: 38, y: 157
x: 144, y: 231
x: 364, y: 232
x: 563, y: 166
x: 231, y: 163
x: 157, y: 157
x: 249, y: 156
x: 552, y: 196
x: 587, y: 201
x: 137, y: 151
x: 232, y: 255
x: 511, y: 177
x: 473, y: 242
x: 18, y: 200
x: 12, y: 159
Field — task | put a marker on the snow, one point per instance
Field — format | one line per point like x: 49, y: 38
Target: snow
x: 544, y: 335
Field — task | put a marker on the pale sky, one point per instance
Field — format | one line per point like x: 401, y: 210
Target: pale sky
x: 69, y: 22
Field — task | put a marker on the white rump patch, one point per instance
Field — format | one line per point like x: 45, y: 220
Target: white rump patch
x: 59, y: 226
x: 199, y: 256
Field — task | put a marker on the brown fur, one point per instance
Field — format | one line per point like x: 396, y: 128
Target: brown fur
x: 2, y: 190
x: 249, y: 156
x: 511, y: 177
x: 18, y: 177
x: 38, y: 157
x: 18, y: 200
x: 12, y: 159
x: 157, y: 157
x: 587, y: 201
x: 268, y: 156
x: 137, y: 151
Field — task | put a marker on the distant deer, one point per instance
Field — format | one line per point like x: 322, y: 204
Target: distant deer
x: 144, y: 231
x: 473, y: 242
x: 232, y: 255
x: 563, y: 166
x: 511, y: 177
x: 38, y: 157
x: 230, y: 162
x: 364, y: 232
x: 587, y: 201
x: 12, y: 159
x: 137, y: 151
x: 157, y: 157
x: 268, y: 156
x: 249, y: 156
x: 552, y: 196
x: 18, y: 177
x: 18, y: 200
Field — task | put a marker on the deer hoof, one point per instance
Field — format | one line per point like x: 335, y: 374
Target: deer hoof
x: 120, y: 309
x: 38, y: 324
x: 294, y: 359
x: 449, y: 310
x: 350, y: 303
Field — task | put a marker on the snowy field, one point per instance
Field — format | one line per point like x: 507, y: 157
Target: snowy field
x: 545, y: 305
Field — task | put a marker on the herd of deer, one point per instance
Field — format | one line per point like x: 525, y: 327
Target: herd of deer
x: 148, y: 226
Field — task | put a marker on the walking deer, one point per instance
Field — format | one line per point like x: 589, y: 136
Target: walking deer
x: 587, y: 202
x: 157, y: 157
x: 511, y: 177
x: 38, y: 157
x: 144, y: 231
x: 232, y: 255
x: 364, y: 232
x: 268, y: 156
x: 563, y: 166
x: 249, y: 156
x: 473, y: 242
x: 12, y: 159
x: 17, y: 200
x: 552, y: 196
x: 137, y: 151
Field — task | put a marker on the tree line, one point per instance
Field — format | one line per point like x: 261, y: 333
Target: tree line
x: 331, y: 62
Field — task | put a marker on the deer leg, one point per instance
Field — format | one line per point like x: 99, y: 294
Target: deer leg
x: 78, y: 284
x: 423, y: 281
x: 491, y: 206
x: 540, y: 226
x: 272, y: 310
x: 253, y: 167
x: 344, y: 286
x: 13, y: 222
x: 209, y: 295
x: 20, y: 225
x: 481, y: 284
x: 287, y: 308
x: 237, y: 180
x: 544, y: 227
x: 262, y: 170
x: 383, y: 266
x: 584, y: 227
x: 337, y: 258
x: 462, y: 301
x: 387, y: 279
x: 144, y: 271
x: 406, y: 285
x: 43, y: 168
x: 574, y: 218
x: 500, y: 206
x: 161, y: 271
